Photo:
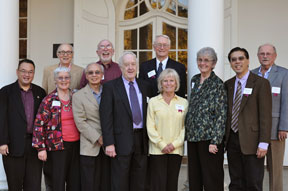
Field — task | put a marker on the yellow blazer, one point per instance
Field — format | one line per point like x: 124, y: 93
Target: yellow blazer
x: 48, y: 82
x: 87, y: 119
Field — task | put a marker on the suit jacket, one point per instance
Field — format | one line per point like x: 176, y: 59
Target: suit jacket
x: 87, y: 119
x: 255, y: 115
x: 278, y: 78
x: 13, y: 124
x: 48, y: 82
x: 150, y: 65
x: 116, y: 116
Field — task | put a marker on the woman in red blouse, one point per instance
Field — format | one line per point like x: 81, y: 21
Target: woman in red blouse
x: 55, y: 135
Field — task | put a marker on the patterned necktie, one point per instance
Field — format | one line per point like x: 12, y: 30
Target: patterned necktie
x: 236, y: 107
x: 136, y: 112
x: 160, y: 69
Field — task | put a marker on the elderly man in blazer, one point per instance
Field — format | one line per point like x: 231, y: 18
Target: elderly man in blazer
x: 278, y: 78
x: 123, y: 122
x: 249, y: 121
x: 19, y: 104
x: 151, y: 69
x: 65, y: 55
x: 94, y: 167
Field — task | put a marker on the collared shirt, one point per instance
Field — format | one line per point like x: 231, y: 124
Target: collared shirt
x: 97, y: 96
x: 28, y: 103
x: 139, y: 95
x: 164, y: 63
x: 266, y: 74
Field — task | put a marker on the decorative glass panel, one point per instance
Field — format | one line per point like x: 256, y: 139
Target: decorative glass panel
x: 161, y: 3
x: 130, y: 39
x: 131, y: 3
x: 182, y: 38
x: 145, y: 39
x: 182, y: 57
x: 172, y: 8
x: 22, y: 49
x: 172, y: 55
x: 22, y: 8
x: 153, y: 4
x: 131, y: 13
x: 182, y: 12
x: 171, y: 32
x: 143, y: 56
x: 22, y: 28
x: 183, y: 3
x: 143, y: 8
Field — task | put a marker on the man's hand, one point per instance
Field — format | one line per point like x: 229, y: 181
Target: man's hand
x: 4, y: 150
x: 100, y: 141
x: 168, y: 149
x: 42, y: 155
x: 261, y: 152
x: 282, y: 135
x: 213, y: 149
x: 110, y: 151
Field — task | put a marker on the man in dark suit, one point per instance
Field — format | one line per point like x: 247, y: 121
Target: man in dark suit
x: 278, y: 79
x: 249, y: 121
x: 151, y: 69
x: 123, y: 122
x: 19, y: 105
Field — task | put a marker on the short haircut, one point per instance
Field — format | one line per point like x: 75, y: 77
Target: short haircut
x: 238, y: 49
x: 64, y: 44
x: 267, y: 44
x: 169, y: 72
x: 103, y: 41
x: 26, y: 61
x: 61, y: 69
x: 121, y: 62
x: 164, y: 36
x: 101, y: 66
x: 208, y: 51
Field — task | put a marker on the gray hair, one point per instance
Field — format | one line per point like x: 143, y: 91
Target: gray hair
x: 164, y: 36
x: 92, y: 63
x: 61, y: 69
x: 267, y: 44
x: 103, y: 41
x: 64, y: 44
x: 169, y: 72
x: 209, y: 52
x: 121, y: 62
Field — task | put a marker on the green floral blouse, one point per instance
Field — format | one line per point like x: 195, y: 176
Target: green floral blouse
x: 206, y: 116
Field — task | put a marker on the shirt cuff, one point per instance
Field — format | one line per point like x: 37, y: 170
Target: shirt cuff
x: 263, y: 145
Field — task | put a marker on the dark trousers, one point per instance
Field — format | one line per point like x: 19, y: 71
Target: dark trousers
x: 47, y: 171
x: 24, y: 172
x: 246, y: 171
x: 164, y: 172
x: 95, y: 172
x: 128, y: 173
x: 66, y: 167
x: 205, y: 170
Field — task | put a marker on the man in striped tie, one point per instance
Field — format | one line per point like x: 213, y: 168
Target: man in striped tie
x: 249, y: 121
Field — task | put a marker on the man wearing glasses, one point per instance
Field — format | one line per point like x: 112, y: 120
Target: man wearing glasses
x: 19, y: 104
x: 105, y: 52
x: 151, y: 69
x: 65, y: 55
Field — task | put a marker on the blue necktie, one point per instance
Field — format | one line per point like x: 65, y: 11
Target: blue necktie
x: 136, y: 112
x: 160, y: 69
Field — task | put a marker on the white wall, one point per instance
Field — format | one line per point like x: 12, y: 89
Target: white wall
x: 50, y: 22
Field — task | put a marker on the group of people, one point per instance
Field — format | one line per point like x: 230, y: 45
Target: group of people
x: 102, y: 128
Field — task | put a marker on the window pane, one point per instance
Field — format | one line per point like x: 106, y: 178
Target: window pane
x: 145, y: 39
x: 131, y: 3
x: 130, y: 39
x: 172, y: 8
x: 22, y: 49
x: 161, y: 3
x: 183, y: 3
x: 171, y: 32
x: 172, y: 55
x: 131, y: 13
x: 182, y: 38
x: 23, y: 8
x: 182, y: 57
x: 143, y: 8
x: 144, y: 56
x: 182, y: 12
x: 22, y: 28
x: 153, y: 4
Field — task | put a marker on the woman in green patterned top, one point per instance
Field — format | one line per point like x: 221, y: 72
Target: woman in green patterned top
x: 205, y: 125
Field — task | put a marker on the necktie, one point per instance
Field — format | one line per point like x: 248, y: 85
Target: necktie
x: 236, y: 107
x: 160, y: 69
x: 136, y: 112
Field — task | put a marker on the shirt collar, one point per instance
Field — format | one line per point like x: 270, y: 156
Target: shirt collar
x: 164, y: 62
x: 127, y: 82
x: 244, y: 78
x: 107, y: 65
x: 266, y: 74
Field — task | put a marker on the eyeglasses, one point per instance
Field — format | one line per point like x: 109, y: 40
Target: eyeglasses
x: 265, y: 54
x: 159, y: 45
x: 66, y: 78
x: 94, y: 72
x: 199, y: 60
x: 26, y: 72
x: 102, y: 47
x: 62, y: 53
x: 240, y: 58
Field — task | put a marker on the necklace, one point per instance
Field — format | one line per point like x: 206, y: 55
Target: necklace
x: 66, y: 107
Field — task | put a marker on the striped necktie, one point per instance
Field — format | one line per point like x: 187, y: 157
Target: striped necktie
x: 236, y: 107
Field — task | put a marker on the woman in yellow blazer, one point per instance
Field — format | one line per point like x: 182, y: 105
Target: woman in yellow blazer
x: 165, y: 126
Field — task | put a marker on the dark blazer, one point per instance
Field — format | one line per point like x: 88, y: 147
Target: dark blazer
x: 150, y: 65
x: 116, y: 116
x: 13, y: 122
x: 255, y: 115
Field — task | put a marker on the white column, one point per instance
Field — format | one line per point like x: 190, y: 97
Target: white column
x: 9, y: 52
x: 205, y: 28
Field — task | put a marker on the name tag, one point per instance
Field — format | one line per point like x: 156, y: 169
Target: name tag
x: 151, y: 73
x: 247, y: 91
x: 192, y: 85
x: 56, y: 104
x: 276, y: 90
x: 179, y: 107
